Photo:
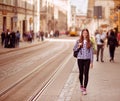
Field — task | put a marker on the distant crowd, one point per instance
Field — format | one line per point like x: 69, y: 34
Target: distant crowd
x: 11, y: 39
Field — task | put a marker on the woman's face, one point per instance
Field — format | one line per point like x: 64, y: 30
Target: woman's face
x: 85, y: 34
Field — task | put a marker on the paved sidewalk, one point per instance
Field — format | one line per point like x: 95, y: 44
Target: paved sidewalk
x: 27, y: 44
x: 104, y: 82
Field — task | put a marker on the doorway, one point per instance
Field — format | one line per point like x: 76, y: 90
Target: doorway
x: 4, y: 23
x: 11, y: 23
x: 24, y: 26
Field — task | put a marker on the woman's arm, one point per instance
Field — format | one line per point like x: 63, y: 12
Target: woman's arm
x: 76, y: 46
x: 91, y: 54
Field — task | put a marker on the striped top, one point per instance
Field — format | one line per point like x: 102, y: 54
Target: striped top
x: 84, y: 53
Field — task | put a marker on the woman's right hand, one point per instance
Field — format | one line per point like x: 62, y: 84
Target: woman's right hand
x: 79, y: 45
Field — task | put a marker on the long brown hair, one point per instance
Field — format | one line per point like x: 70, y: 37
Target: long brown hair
x: 87, y: 38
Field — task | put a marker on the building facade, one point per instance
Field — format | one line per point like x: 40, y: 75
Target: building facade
x: 53, y: 16
x: 109, y: 17
x: 22, y: 15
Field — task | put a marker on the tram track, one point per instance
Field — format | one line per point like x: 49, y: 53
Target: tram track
x: 14, y: 65
x: 21, y: 48
x: 37, y: 69
x: 21, y: 52
x: 49, y: 81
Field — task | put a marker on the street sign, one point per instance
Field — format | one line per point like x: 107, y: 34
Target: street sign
x: 98, y: 12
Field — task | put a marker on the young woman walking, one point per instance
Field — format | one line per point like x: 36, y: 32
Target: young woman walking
x: 84, y: 58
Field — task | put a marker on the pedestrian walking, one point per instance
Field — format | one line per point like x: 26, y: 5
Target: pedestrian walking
x: 118, y: 38
x: 84, y: 58
x: 17, y: 38
x: 2, y: 38
x: 42, y: 35
x: 38, y: 35
x: 100, y: 40
x: 7, y: 38
x: 112, y: 43
x: 12, y: 40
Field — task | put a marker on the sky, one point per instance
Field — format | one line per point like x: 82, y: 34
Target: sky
x: 81, y: 5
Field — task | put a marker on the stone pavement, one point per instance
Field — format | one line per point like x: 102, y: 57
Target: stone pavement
x: 104, y: 82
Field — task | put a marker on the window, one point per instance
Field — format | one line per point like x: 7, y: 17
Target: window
x: 8, y: 2
x: 4, y: 1
x: 1, y: 1
x: 21, y: 3
x: 13, y: 2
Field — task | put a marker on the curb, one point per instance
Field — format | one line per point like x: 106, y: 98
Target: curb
x: 20, y: 48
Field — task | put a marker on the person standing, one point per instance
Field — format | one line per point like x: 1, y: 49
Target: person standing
x: 3, y: 38
x: 7, y: 38
x: 118, y: 38
x: 12, y: 39
x: 42, y: 35
x: 112, y: 43
x: 100, y: 40
x: 17, y: 37
x: 84, y: 58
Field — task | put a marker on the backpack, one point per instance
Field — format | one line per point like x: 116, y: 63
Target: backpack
x: 75, y: 53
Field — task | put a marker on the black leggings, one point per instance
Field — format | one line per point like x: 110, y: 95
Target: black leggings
x: 112, y: 51
x: 83, y: 71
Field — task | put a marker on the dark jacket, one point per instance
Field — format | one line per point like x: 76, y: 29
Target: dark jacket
x: 112, y: 41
